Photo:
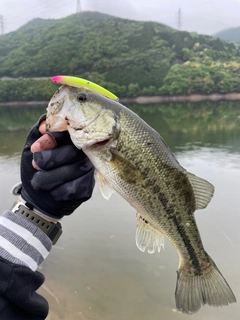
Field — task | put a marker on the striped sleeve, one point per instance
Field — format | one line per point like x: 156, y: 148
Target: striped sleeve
x: 21, y: 242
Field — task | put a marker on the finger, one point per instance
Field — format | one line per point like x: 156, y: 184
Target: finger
x: 78, y: 189
x: 61, y: 138
x: 42, y: 127
x: 46, y: 142
x: 48, y: 180
x: 50, y: 159
x: 35, y: 166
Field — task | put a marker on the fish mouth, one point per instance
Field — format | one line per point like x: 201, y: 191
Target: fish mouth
x: 56, y: 124
x: 57, y: 107
x: 101, y: 143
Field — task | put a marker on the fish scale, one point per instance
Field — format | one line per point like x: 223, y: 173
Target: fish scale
x: 132, y: 159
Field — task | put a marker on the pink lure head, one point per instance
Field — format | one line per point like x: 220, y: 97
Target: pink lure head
x: 58, y: 79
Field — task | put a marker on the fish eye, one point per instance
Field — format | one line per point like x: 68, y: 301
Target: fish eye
x: 82, y: 97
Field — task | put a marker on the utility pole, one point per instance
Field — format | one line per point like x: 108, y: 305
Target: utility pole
x: 1, y: 25
x: 179, y: 19
x: 78, y: 7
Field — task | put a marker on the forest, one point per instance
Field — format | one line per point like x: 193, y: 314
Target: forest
x: 129, y: 58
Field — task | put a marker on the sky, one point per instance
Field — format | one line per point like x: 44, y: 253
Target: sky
x: 202, y: 16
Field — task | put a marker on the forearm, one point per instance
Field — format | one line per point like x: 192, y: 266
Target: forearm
x: 22, y: 242
x: 23, y: 247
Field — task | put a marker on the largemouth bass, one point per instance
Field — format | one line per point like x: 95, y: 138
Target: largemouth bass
x: 131, y: 158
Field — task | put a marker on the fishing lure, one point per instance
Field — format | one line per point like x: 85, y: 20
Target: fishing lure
x: 84, y: 84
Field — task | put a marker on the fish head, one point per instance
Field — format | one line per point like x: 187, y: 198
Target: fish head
x: 89, y: 117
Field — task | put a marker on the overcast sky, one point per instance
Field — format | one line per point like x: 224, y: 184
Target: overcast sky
x: 203, y: 16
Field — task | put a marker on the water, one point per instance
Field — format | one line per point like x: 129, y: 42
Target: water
x: 95, y: 271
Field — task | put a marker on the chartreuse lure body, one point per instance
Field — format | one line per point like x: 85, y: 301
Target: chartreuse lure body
x: 84, y: 84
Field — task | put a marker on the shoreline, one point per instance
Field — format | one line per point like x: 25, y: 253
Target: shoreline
x: 234, y: 96
x: 25, y: 103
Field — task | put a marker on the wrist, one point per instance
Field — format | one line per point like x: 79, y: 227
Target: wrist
x: 17, y: 190
x: 50, y: 226
x: 36, y: 211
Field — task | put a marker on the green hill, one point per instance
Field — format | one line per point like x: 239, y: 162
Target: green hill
x: 231, y: 34
x: 127, y: 57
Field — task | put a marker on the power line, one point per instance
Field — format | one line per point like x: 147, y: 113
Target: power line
x: 1, y: 25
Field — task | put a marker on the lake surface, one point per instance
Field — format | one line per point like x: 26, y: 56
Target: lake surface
x: 95, y: 271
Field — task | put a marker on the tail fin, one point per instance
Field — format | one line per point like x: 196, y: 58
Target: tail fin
x: 194, y: 291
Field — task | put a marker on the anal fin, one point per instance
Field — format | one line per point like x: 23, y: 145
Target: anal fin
x: 147, y: 237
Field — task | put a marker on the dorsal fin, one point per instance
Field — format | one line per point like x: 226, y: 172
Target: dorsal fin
x: 203, y: 190
x: 147, y: 237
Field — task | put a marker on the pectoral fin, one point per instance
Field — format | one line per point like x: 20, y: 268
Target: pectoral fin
x: 105, y: 188
x: 203, y: 190
x: 147, y: 237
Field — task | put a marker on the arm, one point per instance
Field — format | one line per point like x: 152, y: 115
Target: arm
x: 64, y: 181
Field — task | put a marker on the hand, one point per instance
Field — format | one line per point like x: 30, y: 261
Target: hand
x: 56, y: 176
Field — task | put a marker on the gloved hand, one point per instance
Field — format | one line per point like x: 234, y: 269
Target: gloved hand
x: 65, y: 179
x: 63, y: 183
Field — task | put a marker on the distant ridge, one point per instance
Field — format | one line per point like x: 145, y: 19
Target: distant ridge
x: 231, y: 34
x: 130, y: 58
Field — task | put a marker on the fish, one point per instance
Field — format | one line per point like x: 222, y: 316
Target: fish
x: 132, y: 159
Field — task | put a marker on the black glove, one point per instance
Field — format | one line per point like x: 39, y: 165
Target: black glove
x: 66, y: 178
